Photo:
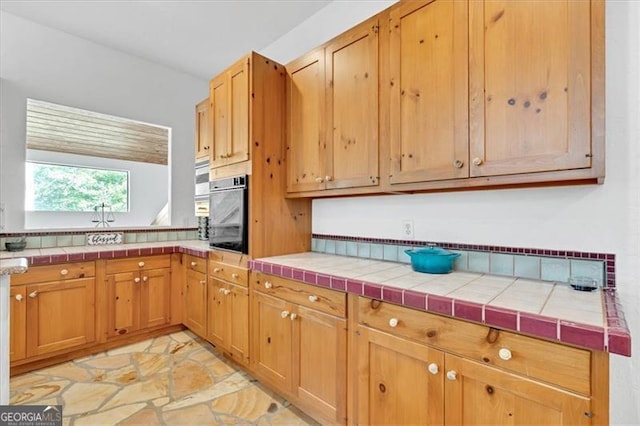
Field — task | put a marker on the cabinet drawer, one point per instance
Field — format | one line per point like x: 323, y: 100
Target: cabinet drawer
x: 329, y: 301
x: 232, y: 274
x: 138, y: 263
x: 63, y: 271
x: 555, y: 363
x: 195, y: 263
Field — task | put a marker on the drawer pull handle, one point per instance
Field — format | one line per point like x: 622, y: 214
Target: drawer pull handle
x: 64, y: 272
x: 452, y: 375
x: 433, y: 368
x: 504, y: 354
x: 19, y: 297
x: 235, y: 276
x: 193, y: 264
x: 136, y: 280
x: 293, y: 316
x: 313, y: 298
x: 393, y: 322
x: 284, y: 314
x: 141, y: 264
x: 216, y: 270
x: 492, y: 335
x: 267, y: 284
x: 34, y: 294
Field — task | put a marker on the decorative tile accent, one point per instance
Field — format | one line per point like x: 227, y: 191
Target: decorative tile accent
x: 416, y: 299
x: 324, y: 280
x: 355, y: 287
x: 439, y: 304
x: 582, y: 335
x: 538, y: 325
x: 498, y: 317
x: 467, y: 310
x: 393, y: 295
x: 372, y: 290
x: 338, y: 284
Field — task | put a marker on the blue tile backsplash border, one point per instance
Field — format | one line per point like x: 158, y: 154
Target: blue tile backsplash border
x: 537, y: 264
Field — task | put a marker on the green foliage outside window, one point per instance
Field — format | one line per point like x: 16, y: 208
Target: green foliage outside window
x: 77, y: 189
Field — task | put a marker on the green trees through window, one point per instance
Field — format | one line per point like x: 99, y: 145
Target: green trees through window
x: 56, y: 187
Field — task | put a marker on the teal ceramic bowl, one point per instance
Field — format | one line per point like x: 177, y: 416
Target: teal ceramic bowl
x: 432, y: 260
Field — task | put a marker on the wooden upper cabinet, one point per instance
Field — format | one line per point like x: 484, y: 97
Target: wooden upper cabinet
x: 332, y: 116
x: 229, y: 96
x: 428, y: 91
x: 305, y: 123
x: 352, y: 108
x: 203, y: 130
x: 530, y: 86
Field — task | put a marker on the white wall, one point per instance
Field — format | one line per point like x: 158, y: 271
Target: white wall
x: 46, y: 64
x: 603, y: 218
x: 148, y: 192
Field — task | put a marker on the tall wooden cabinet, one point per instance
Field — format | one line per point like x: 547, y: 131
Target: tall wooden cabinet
x: 332, y: 117
x: 18, y: 323
x: 138, y: 294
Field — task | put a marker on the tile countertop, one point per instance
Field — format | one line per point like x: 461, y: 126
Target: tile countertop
x: 553, y: 311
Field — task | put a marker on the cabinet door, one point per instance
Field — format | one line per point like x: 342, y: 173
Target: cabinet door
x: 60, y: 315
x: 352, y: 108
x: 529, y: 76
x: 238, y: 321
x: 195, y: 302
x: 272, y: 340
x: 219, y: 97
x: 305, y: 123
x: 155, y: 303
x: 203, y: 130
x: 123, y: 305
x: 477, y: 394
x: 18, y: 323
x: 320, y: 358
x: 400, y: 382
x: 238, y: 142
x: 428, y: 91
x: 217, y: 307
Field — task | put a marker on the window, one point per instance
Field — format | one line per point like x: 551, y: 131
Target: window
x: 67, y: 188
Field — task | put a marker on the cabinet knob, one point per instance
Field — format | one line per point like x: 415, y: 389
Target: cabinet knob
x: 221, y: 290
x: 313, y: 298
x: 433, y: 368
x: 319, y: 180
x: 267, y: 284
x: 293, y: 316
x: 19, y: 297
x: 328, y: 178
x: 136, y: 280
x: 458, y: 164
x: 393, y: 322
x: 34, y: 294
x: 205, y: 147
x: 141, y: 264
x: 452, y: 375
x: 284, y: 314
x: 64, y: 272
x: 203, y: 282
x: 145, y: 279
x: 234, y: 276
x: 504, y: 354
x: 193, y: 264
x: 477, y: 161
x: 216, y: 270
x: 226, y: 291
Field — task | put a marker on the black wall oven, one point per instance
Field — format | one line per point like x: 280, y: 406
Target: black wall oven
x: 228, y: 214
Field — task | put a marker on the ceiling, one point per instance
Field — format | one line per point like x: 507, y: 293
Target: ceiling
x: 196, y: 37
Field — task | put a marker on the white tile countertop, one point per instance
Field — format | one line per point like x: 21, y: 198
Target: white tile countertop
x: 546, y: 309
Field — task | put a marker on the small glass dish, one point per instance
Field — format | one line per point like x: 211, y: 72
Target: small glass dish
x: 583, y: 283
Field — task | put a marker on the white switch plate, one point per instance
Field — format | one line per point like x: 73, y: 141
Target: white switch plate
x: 407, y: 229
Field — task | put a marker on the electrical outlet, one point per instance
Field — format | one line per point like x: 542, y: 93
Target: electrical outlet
x: 407, y: 229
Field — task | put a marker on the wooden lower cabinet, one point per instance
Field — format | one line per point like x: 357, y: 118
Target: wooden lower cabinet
x: 300, y: 351
x: 60, y: 315
x: 228, y: 318
x: 18, y: 324
x: 195, y: 302
x: 477, y: 394
x: 137, y: 300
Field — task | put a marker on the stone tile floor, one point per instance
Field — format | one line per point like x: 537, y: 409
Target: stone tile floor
x: 177, y: 379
